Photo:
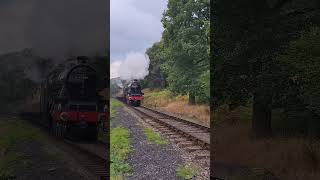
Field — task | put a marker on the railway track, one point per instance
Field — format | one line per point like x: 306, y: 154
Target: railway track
x: 91, y: 155
x: 193, y: 137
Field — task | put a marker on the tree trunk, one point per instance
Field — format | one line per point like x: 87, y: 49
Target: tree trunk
x: 192, y: 99
x: 261, y: 114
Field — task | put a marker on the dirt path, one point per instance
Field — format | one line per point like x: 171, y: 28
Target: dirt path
x: 148, y: 161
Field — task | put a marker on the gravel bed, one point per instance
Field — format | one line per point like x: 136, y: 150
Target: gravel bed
x: 40, y: 165
x: 187, y: 157
x: 148, y: 161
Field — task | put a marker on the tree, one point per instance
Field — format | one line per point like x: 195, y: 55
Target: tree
x: 248, y: 36
x: 300, y: 67
x: 156, y: 77
x: 186, y: 24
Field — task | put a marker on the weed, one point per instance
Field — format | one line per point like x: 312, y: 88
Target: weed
x: 154, y: 137
x: 7, y: 165
x: 11, y: 133
x: 120, y: 149
x: 114, y: 104
x: 186, y: 172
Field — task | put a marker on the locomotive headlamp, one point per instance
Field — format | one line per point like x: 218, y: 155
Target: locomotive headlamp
x: 64, y: 116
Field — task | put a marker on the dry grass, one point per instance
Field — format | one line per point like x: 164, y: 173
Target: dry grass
x: 287, y: 158
x: 199, y: 112
x: 176, y: 104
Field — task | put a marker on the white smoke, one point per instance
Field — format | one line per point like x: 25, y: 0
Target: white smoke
x: 134, y: 66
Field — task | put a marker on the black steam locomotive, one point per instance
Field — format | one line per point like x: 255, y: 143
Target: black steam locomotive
x: 132, y: 93
x: 70, y: 101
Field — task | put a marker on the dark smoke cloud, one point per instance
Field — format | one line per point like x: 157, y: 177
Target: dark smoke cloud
x: 55, y: 28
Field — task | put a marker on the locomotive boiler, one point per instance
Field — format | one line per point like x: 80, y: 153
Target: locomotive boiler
x: 70, y: 101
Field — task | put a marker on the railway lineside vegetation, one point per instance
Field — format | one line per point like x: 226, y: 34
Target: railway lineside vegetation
x: 267, y: 57
x: 180, y: 61
x: 154, y: 137
x: 12, y: 133
x: 114, y: 104
x: 119, y: 152
x: 120, y: 146
x: 186, y: 172
x: 178, y: 104
x: 265, y: 87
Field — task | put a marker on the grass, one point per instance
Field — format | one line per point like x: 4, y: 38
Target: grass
x: 120, y: 149
x: 154, y: 137
x: 13, y: 132
x: 291, y: 158
x: 120, y: 146
x: 8, y: 164
x: 114, y: 105
x: 167, y: 101
x: 186, y: 172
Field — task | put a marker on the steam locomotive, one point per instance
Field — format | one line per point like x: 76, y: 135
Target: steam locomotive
x: 70, y: 102
x: 132, y: 93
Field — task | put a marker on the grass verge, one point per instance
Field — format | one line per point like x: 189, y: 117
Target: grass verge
x: 114, y: 105
x: 166, y: 101
x: 154, y: 137
x: 186, y: 172
x: 289, y: 158
x: 13, y: 132
x: 120, y: 149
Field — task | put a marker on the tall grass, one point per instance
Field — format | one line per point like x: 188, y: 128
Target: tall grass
x: 293, y: 158
x: 178, y: 104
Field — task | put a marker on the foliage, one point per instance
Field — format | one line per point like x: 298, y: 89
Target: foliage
x: 154, y: 137
x: 158, y: 98
x: 300, y: 67
x: 156, y: 77
x: 119, y: 152
x: 182, y: 56
x: 248, y: 38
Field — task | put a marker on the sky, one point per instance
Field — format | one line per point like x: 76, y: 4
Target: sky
x: 54, y: 28
x: 134, y: 26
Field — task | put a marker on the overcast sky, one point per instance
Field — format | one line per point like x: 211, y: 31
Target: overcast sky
x: 54, y: 28
x: 135, y: 26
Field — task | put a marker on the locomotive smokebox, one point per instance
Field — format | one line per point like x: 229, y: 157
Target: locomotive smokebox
x: 82, y: 59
